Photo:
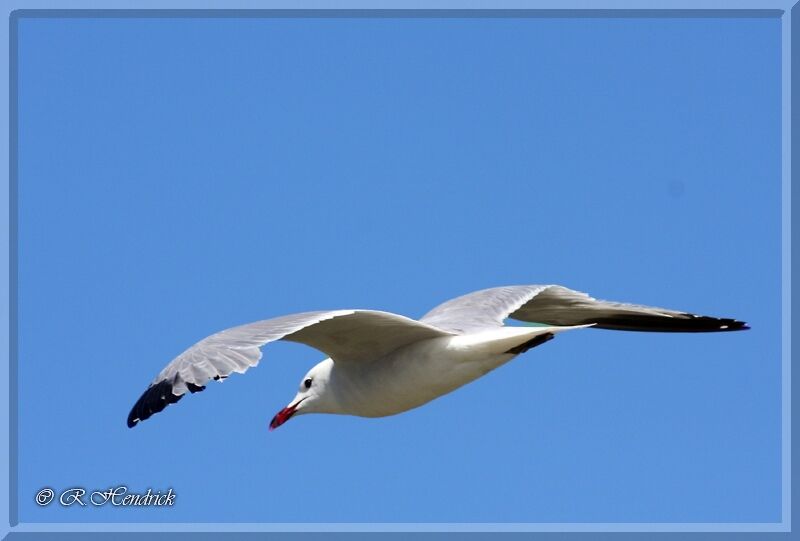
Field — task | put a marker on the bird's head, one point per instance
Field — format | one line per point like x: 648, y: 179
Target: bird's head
x: 313, y: 395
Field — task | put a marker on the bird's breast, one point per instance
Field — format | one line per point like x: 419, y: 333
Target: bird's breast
x: 418, y: 373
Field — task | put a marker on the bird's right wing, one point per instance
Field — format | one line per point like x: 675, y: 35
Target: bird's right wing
x: 344, y: 335
x: 558, y: 305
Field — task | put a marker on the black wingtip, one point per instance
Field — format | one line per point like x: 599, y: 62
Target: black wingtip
x: 737, y: 326
x: 155, y: 398
x: 656, y: 323
x: 712, y: 324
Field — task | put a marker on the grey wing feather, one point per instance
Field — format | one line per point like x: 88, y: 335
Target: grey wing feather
x: 344, y: 335
x: 558, y: 305
x: 481, y: 309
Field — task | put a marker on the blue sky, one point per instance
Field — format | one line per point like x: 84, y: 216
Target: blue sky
x: 181, y: 176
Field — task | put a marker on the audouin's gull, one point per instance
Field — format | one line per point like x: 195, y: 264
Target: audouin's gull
x: 382, y: 363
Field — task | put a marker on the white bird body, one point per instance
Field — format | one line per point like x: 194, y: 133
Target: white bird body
x: 381, y: 364
x: 413, y: 375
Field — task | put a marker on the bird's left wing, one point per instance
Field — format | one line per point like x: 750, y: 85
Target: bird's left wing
x: 344, y: 335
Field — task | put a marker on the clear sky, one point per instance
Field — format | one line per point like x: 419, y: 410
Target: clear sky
x: 181, y: 176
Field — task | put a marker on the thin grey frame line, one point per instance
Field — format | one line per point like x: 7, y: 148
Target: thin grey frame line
x: 367, y: 13
x: 13, y: 273
x: 418, y: 527
x: 786, y: 265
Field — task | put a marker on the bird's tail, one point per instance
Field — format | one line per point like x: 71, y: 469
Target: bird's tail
x: 508, y: 340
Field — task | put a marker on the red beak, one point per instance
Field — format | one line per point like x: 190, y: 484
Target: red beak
x: 284, y: 415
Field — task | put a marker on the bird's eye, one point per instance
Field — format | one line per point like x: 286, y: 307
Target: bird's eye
x: 307, y: 383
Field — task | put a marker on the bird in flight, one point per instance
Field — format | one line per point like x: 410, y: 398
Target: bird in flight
x: 382, y: 364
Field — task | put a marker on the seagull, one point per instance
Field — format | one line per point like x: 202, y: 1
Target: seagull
x: 381, y: 364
